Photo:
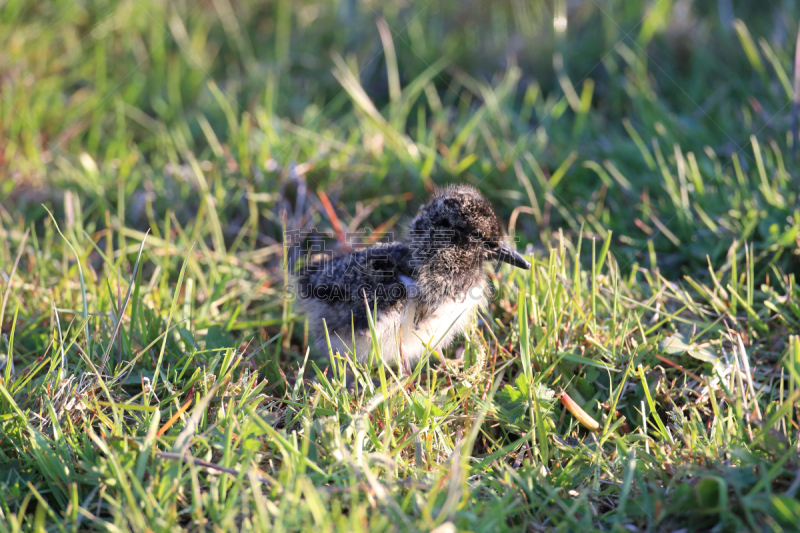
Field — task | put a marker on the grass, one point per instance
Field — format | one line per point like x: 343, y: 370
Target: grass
x: 643, y: 376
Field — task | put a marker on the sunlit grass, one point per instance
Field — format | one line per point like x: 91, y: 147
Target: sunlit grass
x: 644, y: 375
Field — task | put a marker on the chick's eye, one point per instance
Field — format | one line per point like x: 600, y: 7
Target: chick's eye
x: 477, y: 234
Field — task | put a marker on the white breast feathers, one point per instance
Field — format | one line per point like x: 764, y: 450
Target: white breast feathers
x: 418, y: 329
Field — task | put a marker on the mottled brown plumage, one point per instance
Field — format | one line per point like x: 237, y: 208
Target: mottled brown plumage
x: 424, y: 288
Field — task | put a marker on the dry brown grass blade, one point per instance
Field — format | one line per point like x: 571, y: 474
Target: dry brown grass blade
x: 174, y: 418
x: 681, y: 368
x: 578, y: 412
x: 337, y: 226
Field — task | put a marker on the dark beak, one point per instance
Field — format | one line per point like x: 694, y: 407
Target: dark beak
x: 507, y: 254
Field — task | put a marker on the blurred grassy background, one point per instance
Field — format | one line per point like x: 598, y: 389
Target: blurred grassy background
x: 637, y: 116
x: 641, y: 150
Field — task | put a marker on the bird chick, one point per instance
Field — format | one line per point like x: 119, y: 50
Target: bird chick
x: 424, y: 288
